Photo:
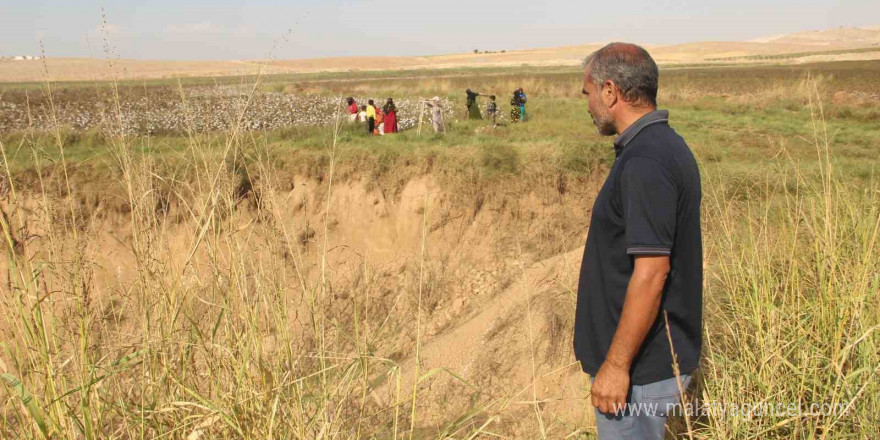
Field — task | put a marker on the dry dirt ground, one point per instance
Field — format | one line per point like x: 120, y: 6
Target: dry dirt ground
x: 86, y: 69
x: 501, y: 272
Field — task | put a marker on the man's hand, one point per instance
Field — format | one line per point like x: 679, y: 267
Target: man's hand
x: 610, y: 388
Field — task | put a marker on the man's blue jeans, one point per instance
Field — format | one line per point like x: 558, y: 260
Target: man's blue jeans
x: 647, y: 409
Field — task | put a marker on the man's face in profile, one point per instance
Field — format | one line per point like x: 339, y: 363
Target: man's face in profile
x: 599, y: 112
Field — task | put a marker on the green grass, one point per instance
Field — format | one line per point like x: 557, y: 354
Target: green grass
x: 726, y: 134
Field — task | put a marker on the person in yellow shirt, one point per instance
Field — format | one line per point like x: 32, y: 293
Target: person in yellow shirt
x: 371, y: 116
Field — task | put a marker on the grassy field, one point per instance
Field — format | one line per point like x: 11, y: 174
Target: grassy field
x: 311, y: 281
x: 796, y: 54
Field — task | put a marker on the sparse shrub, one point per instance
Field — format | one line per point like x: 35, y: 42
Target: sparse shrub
x: 500, y: 158
x: 386, y: 161
x: 582, y: 159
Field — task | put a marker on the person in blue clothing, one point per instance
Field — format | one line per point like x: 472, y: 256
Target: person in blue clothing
x: 522, y: 104
x: 518, y: 106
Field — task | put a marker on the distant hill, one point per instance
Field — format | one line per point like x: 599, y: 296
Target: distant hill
x: 842, y: 36
x: 844, y: 43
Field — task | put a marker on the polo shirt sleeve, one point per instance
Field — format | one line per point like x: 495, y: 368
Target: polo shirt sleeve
x: 649, y: 197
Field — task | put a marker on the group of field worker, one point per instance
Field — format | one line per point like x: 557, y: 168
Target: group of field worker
x: 517, y: 103
x: 379, y: 121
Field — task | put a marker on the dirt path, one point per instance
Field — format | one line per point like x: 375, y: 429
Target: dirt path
x: 458, y: 348
x: 494, y: 352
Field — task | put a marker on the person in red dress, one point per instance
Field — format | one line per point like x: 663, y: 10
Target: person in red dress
x: 352, y: 109
x: 390, y: 116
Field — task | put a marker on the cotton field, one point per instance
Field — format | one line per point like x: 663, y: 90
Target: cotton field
x: 161, y: 109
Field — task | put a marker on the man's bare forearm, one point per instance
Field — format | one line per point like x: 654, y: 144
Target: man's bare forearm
x: 640, y: 309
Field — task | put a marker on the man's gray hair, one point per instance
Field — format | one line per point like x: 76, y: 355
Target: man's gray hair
x: 630, y: 67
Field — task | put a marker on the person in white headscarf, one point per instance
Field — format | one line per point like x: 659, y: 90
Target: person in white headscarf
x: 436, y: 114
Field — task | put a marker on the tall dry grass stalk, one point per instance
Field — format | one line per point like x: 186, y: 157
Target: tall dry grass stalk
x: 792, y: 303
x: 207, y: 340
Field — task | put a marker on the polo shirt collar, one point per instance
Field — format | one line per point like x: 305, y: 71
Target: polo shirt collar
x: 654, y: 117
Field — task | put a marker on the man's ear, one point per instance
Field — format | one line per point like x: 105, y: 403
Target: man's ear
x: 609, y: 93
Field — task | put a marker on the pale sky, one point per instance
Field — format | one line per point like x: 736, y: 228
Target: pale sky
x: 223, y: 29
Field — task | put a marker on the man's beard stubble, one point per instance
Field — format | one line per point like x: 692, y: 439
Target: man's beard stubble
x: 604, y: 124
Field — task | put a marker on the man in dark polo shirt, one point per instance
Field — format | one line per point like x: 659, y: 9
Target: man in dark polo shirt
x: 643, y: 257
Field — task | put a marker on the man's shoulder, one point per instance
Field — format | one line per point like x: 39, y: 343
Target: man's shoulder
x: 658, y: 133
x: 661, y: 145
x: 659, y: 142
